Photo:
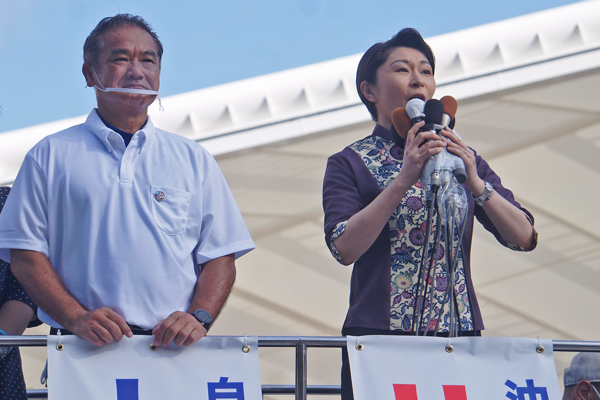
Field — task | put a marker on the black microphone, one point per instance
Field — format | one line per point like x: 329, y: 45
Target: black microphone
x: 434, y: 112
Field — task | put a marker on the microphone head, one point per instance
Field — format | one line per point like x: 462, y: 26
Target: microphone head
x: 434, y: 111
x: 401, y: 122
x: 414, y: 108
x: 450, y: 106
x: 452, y: 123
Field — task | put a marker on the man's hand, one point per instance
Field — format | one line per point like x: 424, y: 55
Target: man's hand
x: 213, y: 287
x: 46, y: 289
x: 180, y: 327
x: 100, y: 326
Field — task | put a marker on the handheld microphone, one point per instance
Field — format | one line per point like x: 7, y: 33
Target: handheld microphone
x: 417, y: 110
x: 434, y: 113
x: 431, y: 112
x: 450, y: 106
x: 437, y: 114
x: 414, y: 110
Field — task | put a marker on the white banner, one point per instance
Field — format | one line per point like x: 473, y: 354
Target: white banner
x: 213, y: 368
x: 475, y: 368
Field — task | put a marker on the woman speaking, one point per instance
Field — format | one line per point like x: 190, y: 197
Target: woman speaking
x: 376, y: 216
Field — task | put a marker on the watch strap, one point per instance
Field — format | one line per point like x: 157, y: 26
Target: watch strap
x: 486, y: 195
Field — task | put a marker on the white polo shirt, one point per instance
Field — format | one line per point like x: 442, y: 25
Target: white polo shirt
x: 122, y: 225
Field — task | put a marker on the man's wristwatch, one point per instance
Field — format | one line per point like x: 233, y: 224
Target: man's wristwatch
x: 486, y: 195
x: 203, y: 317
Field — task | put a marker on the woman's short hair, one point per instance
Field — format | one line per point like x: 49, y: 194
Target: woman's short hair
x: 379, y: 53
x: 93, y: 44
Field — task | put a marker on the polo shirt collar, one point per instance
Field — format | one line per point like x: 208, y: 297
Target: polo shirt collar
x: 95, y: 125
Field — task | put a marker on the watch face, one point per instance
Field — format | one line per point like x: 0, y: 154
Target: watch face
x: 203, y: 316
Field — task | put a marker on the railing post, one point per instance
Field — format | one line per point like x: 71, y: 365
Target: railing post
x: 301, y: 370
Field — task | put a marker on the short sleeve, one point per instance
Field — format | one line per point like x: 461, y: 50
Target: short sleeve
x: 337, y: 231
x: 341, y: 196
x: 24, y: 220
x: 223, y: 230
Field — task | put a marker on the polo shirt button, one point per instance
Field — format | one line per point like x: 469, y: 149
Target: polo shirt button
x: 125, y: 159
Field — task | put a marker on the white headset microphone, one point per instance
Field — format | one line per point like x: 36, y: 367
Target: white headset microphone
x: 127, y: 90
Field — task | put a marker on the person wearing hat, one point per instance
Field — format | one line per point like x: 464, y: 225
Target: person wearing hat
x: 582, y: 378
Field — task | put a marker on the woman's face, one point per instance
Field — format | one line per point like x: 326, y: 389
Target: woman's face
x: 405, y: 74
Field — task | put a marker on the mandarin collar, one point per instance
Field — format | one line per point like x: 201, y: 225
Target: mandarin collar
x: 387, y: 134
x: 382, y: 132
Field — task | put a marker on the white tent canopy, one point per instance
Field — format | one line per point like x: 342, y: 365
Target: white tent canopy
x: 481, y: 61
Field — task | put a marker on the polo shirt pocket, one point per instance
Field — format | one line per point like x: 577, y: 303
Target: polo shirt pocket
x: 170, y: 209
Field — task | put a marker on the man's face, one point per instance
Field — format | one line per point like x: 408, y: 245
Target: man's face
x: 129, y: 59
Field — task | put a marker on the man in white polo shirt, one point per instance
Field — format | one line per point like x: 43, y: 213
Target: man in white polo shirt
x: 116, y: 227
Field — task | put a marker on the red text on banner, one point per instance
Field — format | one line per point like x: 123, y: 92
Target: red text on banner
x: 409, y: 392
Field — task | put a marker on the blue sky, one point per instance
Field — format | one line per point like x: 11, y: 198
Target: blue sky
x: 207, y: 43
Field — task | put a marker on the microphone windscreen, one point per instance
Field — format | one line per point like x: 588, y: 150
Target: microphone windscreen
x: 414, y: 108
x: 401, y: 122
x: 434, y: 111
x: 450, y: 106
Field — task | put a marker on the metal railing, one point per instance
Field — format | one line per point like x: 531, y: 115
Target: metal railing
x: 300, y: 389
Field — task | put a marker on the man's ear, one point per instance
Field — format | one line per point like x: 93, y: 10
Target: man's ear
x: 367, y: 91
x: 583, y: 390
x: 88, y: 73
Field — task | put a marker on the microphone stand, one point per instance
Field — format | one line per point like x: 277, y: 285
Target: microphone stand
x: 447, y: 206
x: 454, y: 220
x: 418, y: 308
x: 432, y: 269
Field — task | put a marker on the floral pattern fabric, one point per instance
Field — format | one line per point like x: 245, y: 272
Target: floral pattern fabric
x: 407, y: 227
x: 12, y: 383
